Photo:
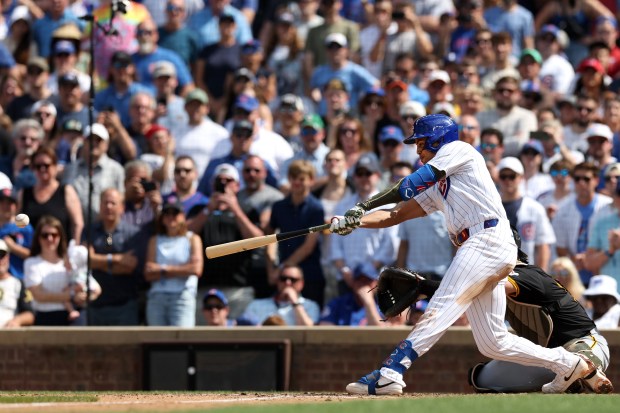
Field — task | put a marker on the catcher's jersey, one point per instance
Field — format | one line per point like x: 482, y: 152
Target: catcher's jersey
x: 467, y: 195
x: 536, y: 287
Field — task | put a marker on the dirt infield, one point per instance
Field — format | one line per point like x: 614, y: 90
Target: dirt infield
x: 170, y: 402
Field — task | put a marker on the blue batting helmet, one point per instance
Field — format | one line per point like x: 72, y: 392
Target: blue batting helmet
x: 438, y: 130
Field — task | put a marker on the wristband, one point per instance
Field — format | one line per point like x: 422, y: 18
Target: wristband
x: 609, y: 254
x: 109, y: 260
x: 163, y: 271
x: 296, y: 304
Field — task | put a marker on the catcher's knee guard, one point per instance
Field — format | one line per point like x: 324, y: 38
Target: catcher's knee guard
x: 472, y: 375
x: 579, y: 346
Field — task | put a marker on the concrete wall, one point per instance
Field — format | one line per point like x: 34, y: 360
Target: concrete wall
x: 323, y: 358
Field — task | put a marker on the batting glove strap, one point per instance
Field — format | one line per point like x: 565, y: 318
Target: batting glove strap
x: 401, y: 358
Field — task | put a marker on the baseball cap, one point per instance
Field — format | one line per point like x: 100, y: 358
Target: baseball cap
x: 225, y: 17
x: 69, y: 78
x: 246, y: 102
x: 244, y: 72
x: 3, y: 246
x: 164, y: 68
x: 291, y: 101
x: 213, y: 292
x: 533, y: 53
x: 251, y: 47
x: 446, y: 108
x: 375, y: 91
x: 72, y: 125
x: 121, y: 58
x: 64, y: 46
x: 43, y: 102
x: 396, y: 83
x: 511, y: 163
x: 228, y: 170
x: 243, y: 125
x: 590, y: 63
x: 612, y: 167
x: 98, y: 130
x: 412, y: 108
x: 560, y: 35
x: 533, y: 144
x: 197, y: 94
x: 369, y: 162
x: 391, y: 133
x: 313, y: 121
x: 153, y: 130
x: 335, y: 84
x: 19, y: 13
x: 508, y: 73
x: 599, y: 129
x: 172, y: 203
x: 338, y: 38
x: 7, y: 193
x: 603, y: 285
x: 441, y: 75
x: 366, y: 269
x: 286, y: 18
x: 39, y: 63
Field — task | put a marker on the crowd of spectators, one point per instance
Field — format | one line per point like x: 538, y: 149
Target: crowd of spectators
x: 218, y: 120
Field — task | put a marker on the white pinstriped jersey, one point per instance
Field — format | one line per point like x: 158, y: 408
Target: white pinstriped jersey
x: 467, y: 196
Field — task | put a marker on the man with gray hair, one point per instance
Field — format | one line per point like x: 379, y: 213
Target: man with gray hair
x: 142, y: 196
x: 27, y: 136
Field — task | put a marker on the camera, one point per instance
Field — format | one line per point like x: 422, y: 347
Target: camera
x: 148, y: 185
x: 540, y: 135
x: 398, y: 15
x: 220, y: 186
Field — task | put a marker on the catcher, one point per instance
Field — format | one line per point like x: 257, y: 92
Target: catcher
x: 538, y: 308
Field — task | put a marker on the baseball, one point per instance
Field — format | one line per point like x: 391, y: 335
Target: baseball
x: 21, y: 220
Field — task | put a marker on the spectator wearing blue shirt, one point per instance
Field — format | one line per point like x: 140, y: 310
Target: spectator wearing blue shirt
x: 174, y: 35
x: 288, y: 302
x: 185, y: 176
x: 121, y: 87
x: 355, y: 77
x: 515, y: 19
x: 17, y: 239
x: 149, y: 52
x: 300, y: 209
x: 70, y: 103
x: 206, y: 21
x: 356, y: 307
x: 55, y: 16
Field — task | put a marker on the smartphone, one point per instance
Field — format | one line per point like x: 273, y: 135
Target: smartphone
x: 148, y: 185
x: 162, y: 101
x: 398, y: 15
x: 220, y: 186
x: 540, y: 135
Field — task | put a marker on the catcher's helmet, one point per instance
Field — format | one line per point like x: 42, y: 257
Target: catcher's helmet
x: 437, y: 128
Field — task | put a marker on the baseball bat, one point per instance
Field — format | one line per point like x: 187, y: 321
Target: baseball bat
x: 233, y: 247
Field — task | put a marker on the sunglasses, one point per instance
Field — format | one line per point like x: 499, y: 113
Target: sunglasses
x: 345, y: 131
x: 377, y: 102
x: 507, y: 177
x: 363, y: 174
x: 47, y: 235
x: 42, y: 166
x: 529, y: 152
x: 586, y: 179
x: 309, y: 132
x: 170, y: 212
x: 172, y: 8
x: 3, y: 254
x: 584, y: 109
x: 561, y: 172
x: 611, y: 178
x: 145, y: 32
x: 34, y: 71
x: 210, y: 307
x: 390, y: 143
x: 179, y: 171
x: 225, y: 180
x: 285, y: 278
x: 334, y: 46
x: 250, y: 170
x: 43, y: 115
x: 242, y: 133
x: 483, y: 40
x: 408, y: 118
x: 504, y: 90
x: 489, y: 146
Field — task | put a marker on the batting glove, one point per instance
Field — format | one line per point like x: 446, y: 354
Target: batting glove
x: 356, y: 212
x: 344, y: 225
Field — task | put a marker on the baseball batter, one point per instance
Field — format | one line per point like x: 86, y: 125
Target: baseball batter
x: 455, y: 180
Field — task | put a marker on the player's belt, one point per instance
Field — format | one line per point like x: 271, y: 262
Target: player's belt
x: 464, y: 235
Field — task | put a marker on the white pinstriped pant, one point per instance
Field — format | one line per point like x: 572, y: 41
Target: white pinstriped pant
x: 474, y: 284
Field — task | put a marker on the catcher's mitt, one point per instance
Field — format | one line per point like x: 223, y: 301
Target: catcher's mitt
x: 397, y: 289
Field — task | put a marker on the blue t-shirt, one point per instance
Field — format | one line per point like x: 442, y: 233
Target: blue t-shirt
x: 286, y: 217
x: 518, y: 22
x: 21, y: 236
x: 461, y: 40
x: 207, y: 25
x: 144, y: 67
x: 184, y: 41
x: 43, y: 28
x: 109, y: 97
x: 192, y: 205
x: 344, y: 311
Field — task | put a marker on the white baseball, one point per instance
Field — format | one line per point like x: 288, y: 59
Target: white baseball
x: 21, y: 220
